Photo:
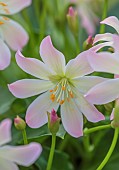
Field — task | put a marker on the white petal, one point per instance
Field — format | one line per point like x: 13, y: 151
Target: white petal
x: 52, y: 57
x: 105, y: 62
x: 24, y: 155
x: 5, y: 55
x: 33, y: 66
x: 104, y: 92
x: 87, y: 82
x: 14, y: 6
x: 101, y: 45
x: 17, y: 38
x: 89, y: 110
x: 29, y: 87
x: 112, y: 21
x: 103, y: 37
x: 72, y: 119
x: 36, y: 115
x: 7, y: 165
x: 5, y: 131
x: 79, y: 66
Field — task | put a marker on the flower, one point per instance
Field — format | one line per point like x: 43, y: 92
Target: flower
x: 12, y: 155
x: 87, y: 14
x: 105, y: 62
x: 11, y: 32
x: 60, y: 85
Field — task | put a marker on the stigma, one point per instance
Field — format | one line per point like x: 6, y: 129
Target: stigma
x: 62, y: 92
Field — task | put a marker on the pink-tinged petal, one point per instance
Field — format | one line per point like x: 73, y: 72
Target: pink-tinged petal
x: 33, y: 66
x: 103, y: 37
x: 5, y: 131
x: 29, y: 87
x: 112, y: 21
x: 72, y: 119
x: 14, y: 6
x: 105, y: 62
x: 36, y: 115
x: 89, y: 110
x: 17, y: 38
x: 101, y: 45
x: 22, y: 155
x: 104, y: 92
x: 5, y: 55
x: 79, y: 66
x: 87, y: 82
x: 7, y: 165
x: 52, y: 57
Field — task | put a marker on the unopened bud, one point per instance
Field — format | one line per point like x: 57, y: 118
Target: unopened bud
x: 53, y: 121
x: 72, y: 18
x: 88, y: 43
x: 19, y: 123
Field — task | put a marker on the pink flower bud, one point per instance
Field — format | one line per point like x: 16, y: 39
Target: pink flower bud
x: 19, y: 123
x: 71, y: 11
x: 88, y: 43
x: 53, y: 121
x: 90, y: 40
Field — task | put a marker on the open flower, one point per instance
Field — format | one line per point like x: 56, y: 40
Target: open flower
x: 12, y: 155
x: 60, y: 85
x: 106, y: 62
x: 87, y: 14
x: 10, y: 31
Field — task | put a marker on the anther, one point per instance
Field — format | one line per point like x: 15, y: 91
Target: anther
x: 1, y: 22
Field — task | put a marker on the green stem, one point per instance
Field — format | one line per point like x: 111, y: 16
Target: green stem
x: 49, y: 165
x: 91, y: 130
x: 104, y: 15
x: 110, y: 150
x: 24, y: 137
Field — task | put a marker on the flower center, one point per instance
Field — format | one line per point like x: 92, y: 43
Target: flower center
x: 4, y: 8
x: 62, y: 91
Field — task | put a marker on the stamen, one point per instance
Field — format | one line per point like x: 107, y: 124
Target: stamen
x: 5, y: 18
x: 7, y: 10
x: 3, y: 4
x: 1, y: 22
x: 71, y: 94
x: 52, y: 97
x: 63, y: 88
x: 61, y: 102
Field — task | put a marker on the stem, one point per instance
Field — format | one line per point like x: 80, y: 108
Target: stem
x: 110, y: 150
x: 104, y: 15
x: 91, y: 130
x: 51, y: 152
x: 24, y: 137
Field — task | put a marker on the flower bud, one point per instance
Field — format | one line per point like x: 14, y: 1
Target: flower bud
x: 19, y: 123
x: 88, y: 43
x: 115, y: 122
x: 72, y: 18
x: 53, y: 121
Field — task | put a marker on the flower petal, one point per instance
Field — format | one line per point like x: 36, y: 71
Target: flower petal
x: 101, y: 45
x: 87, y: 82
x: 105, y: 62
x: 72, y: 119
x: 14, y: 6
x: 52, y: 57
x: 104, y: 92
x: 36, y: 115
x: 23, y: 155
x: 89, y: 110
x: 7, y: 165
x: 5, y: 131
x: 17, y: 38
x: 29, y: 87
x: 33, y: 66
x: 79, y: 66
x: 5, y: 55
x: 112, y: 21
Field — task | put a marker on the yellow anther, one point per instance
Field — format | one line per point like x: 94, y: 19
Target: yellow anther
x: 63, y: 88
x: 5, y: 18
x: 1, y: 22
x: 7, y: 10
x: 3, y: 4
x: 68, y: 99
x: 51, y: 91
x: 61, y: 102
x: 71, y: 94
x: 52, y: 97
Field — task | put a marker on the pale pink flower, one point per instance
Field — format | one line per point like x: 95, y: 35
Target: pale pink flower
x: 106, y: 62
x: 88, y: 17
x: 60, y: 84
x: 11, y: 32
x: 10, y: 156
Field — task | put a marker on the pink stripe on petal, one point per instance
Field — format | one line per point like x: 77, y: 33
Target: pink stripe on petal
x: 52, y: 57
